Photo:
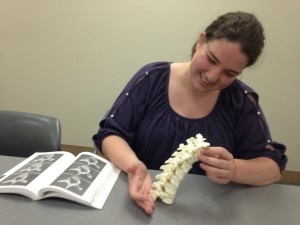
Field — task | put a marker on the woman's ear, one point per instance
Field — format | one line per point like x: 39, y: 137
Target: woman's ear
x: 201, y: 38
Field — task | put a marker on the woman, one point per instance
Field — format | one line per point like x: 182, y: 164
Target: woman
x: 166, y: 103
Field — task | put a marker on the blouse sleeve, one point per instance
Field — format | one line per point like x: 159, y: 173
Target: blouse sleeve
x: 128, y: 109
x: 252, y: 132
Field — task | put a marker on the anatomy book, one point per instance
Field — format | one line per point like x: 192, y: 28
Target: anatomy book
x: 86, y: 179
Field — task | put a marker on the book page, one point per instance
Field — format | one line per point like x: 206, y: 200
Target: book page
x: 109, y: 178
x: 88, y: 178
x: 33, y: 173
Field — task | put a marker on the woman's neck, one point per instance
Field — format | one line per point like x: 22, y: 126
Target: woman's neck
x: 184, y: 98
x: 183, y: 73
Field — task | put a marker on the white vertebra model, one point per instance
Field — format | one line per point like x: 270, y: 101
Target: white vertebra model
x: 176, y: 167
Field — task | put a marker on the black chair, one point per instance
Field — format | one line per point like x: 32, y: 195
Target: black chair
x: 22, y: 134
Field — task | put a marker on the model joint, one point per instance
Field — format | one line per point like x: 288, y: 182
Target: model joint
x: 176, y: 167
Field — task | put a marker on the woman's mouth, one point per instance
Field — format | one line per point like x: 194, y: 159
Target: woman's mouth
x: 203, y: 82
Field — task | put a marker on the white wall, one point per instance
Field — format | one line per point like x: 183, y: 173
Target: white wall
x: 70, y: 58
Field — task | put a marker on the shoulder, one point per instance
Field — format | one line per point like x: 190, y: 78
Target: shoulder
x: 239, y: 94
x: 149, y: 79
x: 150, y: 74
x: 240, y: 89
x: 154, y: 67
x: 243, y: 89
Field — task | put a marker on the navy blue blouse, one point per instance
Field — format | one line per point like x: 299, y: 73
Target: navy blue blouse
x: 143, y: 117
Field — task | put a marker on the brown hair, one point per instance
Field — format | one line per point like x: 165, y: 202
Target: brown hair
x: 240, y: 27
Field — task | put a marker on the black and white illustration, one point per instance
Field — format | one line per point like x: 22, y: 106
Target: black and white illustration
x: 78, y: 177
x: 31, y: 170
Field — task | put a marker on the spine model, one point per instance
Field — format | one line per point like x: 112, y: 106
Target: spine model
x: 175, y: 168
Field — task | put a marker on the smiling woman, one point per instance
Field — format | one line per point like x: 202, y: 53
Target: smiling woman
x: 217, y: 62
x: 238, y: 27
x: 165, y: 103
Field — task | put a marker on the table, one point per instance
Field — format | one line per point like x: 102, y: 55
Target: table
x: 198, y: 201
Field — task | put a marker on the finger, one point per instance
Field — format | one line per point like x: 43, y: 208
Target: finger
x: 217, y: 172
x: 141, y: 195
x: 139, y: 198
x: 217, y: 152
x: 137, y: 195
x: 219, y: 180
x: 145, y: 189
x: 220, y: 163
x: 147, y: 206
x: 142, y: 191
x: 212, y: 161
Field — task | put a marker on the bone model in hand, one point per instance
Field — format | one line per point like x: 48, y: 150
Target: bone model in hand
x: 175, y: 168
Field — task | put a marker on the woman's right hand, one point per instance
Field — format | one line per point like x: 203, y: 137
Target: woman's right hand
x: 140, y: 185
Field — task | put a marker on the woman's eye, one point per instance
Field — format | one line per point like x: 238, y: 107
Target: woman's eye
x: 229, y: 74
x: 211, y: 61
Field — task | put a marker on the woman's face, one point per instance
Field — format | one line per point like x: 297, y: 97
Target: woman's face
x: 216, y: 64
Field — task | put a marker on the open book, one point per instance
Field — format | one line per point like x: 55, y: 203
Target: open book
x: 86, y: 178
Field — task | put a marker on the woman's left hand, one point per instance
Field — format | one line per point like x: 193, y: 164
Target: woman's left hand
x: 140, y: 184
x: 218, y: 163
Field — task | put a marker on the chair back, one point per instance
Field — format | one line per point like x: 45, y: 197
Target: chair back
x: 22, y: 134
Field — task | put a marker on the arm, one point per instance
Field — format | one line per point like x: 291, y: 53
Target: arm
x: 119, y: 153
x: 222, y: 168
x: 257, y: 172
x: 258, y: 160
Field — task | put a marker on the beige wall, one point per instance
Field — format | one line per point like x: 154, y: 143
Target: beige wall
x: 70, y: 58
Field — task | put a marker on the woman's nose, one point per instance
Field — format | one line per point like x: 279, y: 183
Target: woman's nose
x: 213, y: 75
